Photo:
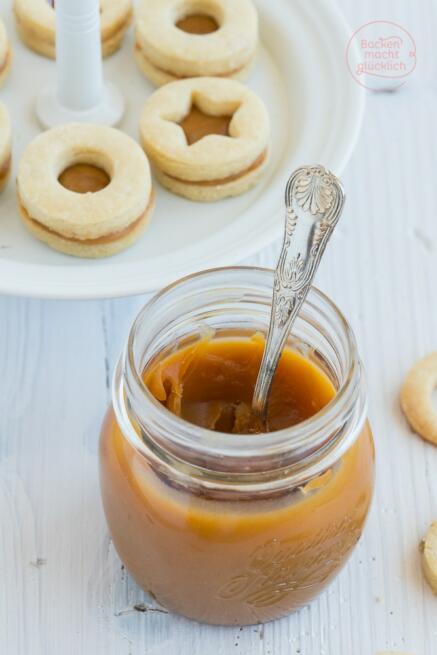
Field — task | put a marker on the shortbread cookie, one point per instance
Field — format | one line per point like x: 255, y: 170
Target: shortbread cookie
x: 176, y: 40
x: 5, y: 146
x: 207, y: 138
x: 416, y: 398
x: 85, y: 189
x: 428, y: 548
x: 5, y: 54
x: 35, y: 21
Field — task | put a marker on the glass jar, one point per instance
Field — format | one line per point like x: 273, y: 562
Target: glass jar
x: 230, y: 529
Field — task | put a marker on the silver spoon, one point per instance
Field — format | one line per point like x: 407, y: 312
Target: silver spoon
x: 314, y: 199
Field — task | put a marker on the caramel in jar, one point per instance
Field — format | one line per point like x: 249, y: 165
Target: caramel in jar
x: 245, y: 558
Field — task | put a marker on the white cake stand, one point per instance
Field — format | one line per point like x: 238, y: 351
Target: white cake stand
x: 80, y: 93
x: 315, y: 106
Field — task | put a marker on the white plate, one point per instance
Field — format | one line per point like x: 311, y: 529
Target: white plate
x: 316, y: 110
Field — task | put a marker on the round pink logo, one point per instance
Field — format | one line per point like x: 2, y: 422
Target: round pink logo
x: 380, y: 55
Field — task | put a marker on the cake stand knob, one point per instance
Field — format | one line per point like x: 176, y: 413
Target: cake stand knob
x: 80, y: 93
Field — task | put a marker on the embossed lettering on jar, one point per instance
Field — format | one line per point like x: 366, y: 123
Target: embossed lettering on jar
x: 229, y: 528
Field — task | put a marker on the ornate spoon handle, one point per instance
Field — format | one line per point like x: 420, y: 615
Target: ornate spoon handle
x: 314, y: 199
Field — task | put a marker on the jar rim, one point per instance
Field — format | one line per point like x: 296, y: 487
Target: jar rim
x: 298, y: 441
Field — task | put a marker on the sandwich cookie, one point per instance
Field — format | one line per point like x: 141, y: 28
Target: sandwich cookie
x: 208, y: 138
x: 5, y: 146
x: 176, y: 40
x: 35, y: 20
x: 5, y: 54
x: 85, y: 189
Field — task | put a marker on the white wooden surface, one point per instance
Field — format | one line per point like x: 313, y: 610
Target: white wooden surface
x: 63, y: 589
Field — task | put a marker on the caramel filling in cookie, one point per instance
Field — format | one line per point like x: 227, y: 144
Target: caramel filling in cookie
x: 198, y: 24
x: 196, y: 124
x: 4, y: 168
x: 84, y: 178
x: 175, y: 76
x: 5, y: 61
x: 225, y: 180
x: 106, y: 238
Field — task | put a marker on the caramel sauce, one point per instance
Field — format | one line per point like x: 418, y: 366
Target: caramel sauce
x: 211, y: 384
x: 198, y: 24
x: 176, y: 76
x: 84, y: 178
x: 233, y: 560
x: 259, y: 161
x: 107, y: 238
x: 196, y: 124
x: 5, y: 167
x: 5, y: 61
